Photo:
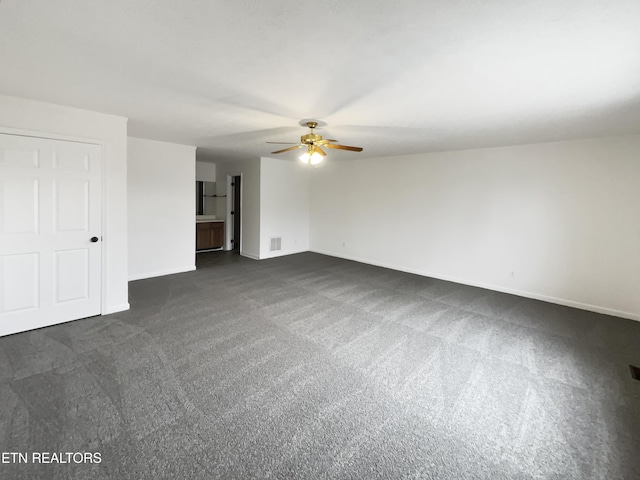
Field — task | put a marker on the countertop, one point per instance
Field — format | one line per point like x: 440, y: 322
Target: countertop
x: 209, y: 220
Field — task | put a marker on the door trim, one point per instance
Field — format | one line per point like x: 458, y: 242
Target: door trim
x: 103, y: 172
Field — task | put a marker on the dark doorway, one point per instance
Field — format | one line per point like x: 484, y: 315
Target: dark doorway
x: 236, y: 211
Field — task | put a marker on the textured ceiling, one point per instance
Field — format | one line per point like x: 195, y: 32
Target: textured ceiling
x: 396, y: 77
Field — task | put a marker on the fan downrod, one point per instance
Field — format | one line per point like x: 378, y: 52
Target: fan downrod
x: 310, y: 138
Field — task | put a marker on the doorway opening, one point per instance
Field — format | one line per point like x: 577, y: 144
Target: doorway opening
x: 235, y: 212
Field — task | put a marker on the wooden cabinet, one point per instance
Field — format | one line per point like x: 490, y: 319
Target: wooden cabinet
x: 209, y: 235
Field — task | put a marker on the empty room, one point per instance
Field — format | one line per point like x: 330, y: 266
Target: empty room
x: 319, y: 240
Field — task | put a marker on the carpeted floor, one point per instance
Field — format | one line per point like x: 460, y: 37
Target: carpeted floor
x: 309, y: 366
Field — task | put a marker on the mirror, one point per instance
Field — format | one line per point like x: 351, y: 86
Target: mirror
x: 205, y: 198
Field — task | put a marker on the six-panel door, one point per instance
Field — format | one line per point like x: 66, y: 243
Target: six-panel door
x: 50, y: 209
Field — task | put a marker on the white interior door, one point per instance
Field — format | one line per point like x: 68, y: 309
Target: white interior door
x: 50, y: 211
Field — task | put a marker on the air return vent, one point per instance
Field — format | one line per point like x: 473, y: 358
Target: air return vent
x: 276, y: 244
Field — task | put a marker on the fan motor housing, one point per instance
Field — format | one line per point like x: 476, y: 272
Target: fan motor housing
x: 310, y: 138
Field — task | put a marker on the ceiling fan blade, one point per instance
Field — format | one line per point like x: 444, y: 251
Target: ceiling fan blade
x: 324, y: 141
x: 344, y: 147
x: 288, y: 149
x: 284, y: 143
x: 320, y: 151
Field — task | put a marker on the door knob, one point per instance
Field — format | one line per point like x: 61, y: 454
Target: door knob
x: 94, y: 239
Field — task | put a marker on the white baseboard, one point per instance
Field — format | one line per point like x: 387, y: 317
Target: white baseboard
x: 116, y: 308
x: 161, y: 273
x: 250, y: 255
x: 497, y: 288
x: 282, y: 253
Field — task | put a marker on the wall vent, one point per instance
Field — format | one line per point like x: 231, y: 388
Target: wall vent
x: 276, y: 244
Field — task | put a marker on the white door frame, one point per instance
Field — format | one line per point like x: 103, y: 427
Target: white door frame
x: 103, y: 226
x: 229, y: 217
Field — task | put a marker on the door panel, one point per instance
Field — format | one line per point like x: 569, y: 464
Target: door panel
x: 24, y: 192
x: 71, y: 205
x: 71, y: 275
x: 70, y: 160
x: 22, y: 157
x: 20, y: 280
x: 51, y: 206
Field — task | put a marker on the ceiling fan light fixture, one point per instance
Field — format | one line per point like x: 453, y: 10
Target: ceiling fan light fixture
x: 316, y: 158
x: 305, y: 157
x: 311, y: 157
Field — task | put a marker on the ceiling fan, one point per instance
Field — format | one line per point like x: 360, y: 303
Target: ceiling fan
x: 314, y: 144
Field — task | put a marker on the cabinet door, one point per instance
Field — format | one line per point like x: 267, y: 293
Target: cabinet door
x: 209, y: 235
x: 203, y: 236
x: 217, y: 234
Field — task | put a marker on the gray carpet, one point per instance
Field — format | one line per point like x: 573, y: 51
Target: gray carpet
x: 312, y: 367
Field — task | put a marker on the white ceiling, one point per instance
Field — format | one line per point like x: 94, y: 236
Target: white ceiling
x: 395, y: 77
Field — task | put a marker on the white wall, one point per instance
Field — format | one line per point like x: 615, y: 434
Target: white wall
x: 205, y: 171
x: 46, y: 119
x: 161, y: 211
x: 250, y: 218
x: 556, y: 221
x: 284, y: 206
